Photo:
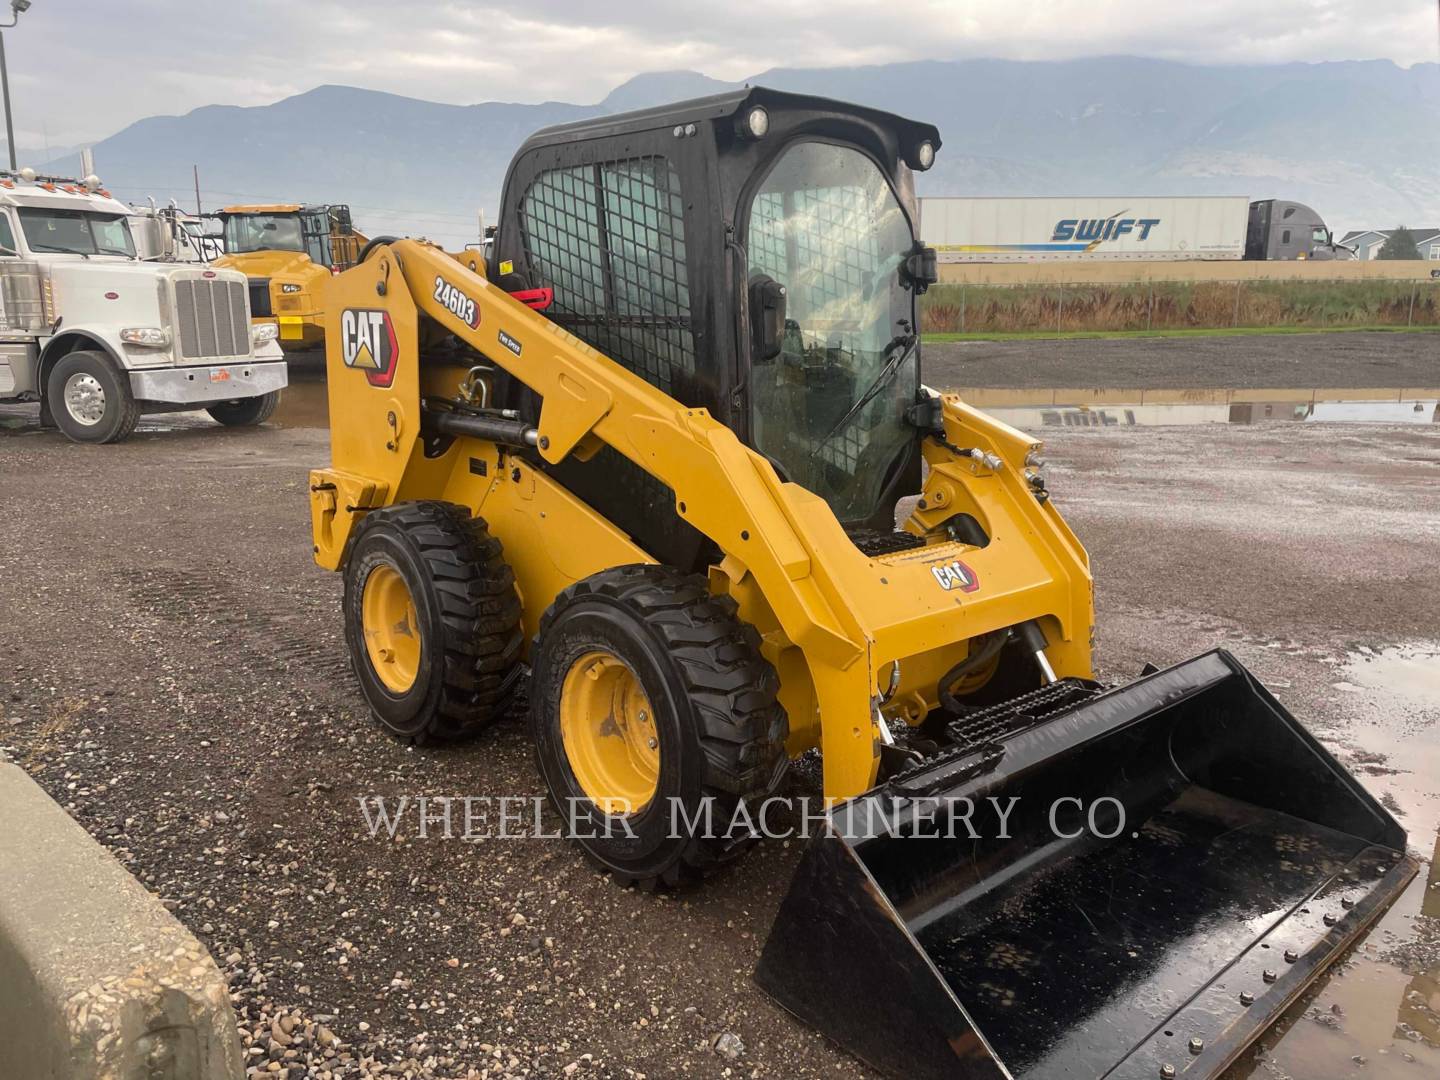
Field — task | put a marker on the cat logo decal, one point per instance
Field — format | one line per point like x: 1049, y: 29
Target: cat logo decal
x: 956, y: 575
x: 367, y: 343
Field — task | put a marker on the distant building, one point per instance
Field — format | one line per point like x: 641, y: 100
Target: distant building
x: 1368, y: 242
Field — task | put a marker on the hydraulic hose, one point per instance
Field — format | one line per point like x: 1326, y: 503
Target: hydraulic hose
x: 988, y: 648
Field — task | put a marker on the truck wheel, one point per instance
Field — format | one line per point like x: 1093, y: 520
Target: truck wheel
x: 246, y: 412
x: 649, y: 698
x: 432, y: 620
x: 89, y: 398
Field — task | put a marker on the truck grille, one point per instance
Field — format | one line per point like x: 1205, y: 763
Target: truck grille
x: 260, y: 298
x: 212, y: 318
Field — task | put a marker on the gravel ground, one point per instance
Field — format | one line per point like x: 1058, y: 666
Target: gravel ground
x: 1242, y: 361
x: 178, y: 683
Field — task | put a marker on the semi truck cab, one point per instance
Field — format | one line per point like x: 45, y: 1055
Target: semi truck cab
x: 99, y: 336
x: 1281, y: 229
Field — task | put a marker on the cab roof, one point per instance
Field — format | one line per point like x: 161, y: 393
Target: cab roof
x: 724, y: 106
x: 267, y: 208
x: 57, y: 193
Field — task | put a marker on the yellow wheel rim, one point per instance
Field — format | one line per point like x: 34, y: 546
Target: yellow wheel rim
x: 392, y: 634
x: 608, y: 730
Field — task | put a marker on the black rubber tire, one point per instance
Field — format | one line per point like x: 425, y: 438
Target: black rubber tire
x: 721, y: 730
x: 468, y: 615
x: 245, y: 412
x: 371, y: 244
x: 122, y: 412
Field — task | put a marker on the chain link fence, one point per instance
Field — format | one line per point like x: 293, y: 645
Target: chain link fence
x: 1179, y: 305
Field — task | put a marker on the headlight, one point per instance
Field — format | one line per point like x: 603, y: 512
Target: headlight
x: 263, y: 332
x: 925, y: 155
x: 756, y: 123
x: 153, y: 336
x: 289, y: 287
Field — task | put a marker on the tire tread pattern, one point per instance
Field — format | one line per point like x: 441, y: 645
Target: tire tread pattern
x: 479, y: 610
x: 743, y: 728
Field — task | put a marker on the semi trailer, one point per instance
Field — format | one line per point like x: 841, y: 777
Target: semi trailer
x: 1126, y: 228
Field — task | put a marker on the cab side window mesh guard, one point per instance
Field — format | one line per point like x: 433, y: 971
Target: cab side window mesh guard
x: 610, y: 240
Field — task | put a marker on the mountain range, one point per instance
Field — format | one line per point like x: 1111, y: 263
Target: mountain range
x: 1357, y: 140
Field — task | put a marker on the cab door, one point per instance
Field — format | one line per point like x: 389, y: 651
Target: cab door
x: 22, y: 312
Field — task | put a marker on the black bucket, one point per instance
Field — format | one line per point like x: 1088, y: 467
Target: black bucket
x: 1181, y: 860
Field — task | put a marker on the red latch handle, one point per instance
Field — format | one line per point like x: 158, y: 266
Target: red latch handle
x: 539, y: 299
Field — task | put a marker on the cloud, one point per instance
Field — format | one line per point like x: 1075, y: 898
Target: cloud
x: 83, y: 69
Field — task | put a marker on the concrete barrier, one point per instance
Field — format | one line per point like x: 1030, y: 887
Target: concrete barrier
x: 97, y: 980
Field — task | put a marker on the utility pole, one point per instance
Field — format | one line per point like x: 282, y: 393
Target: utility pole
x: 16, y: 7
x: 9, y: 126
x: 196, y: 170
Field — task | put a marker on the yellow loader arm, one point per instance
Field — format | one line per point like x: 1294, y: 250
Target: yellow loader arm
x: 834, y: 619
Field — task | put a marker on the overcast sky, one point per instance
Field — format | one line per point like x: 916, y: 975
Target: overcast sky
x: 82, y: 69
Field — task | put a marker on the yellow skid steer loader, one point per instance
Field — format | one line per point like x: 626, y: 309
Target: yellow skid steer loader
x: 650, y: 451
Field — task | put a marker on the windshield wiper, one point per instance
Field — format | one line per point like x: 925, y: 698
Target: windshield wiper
x: 115, y: 251
x: 61, y: 250
x: 901, y: 347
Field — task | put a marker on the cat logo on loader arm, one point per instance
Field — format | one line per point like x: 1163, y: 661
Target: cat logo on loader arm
x: 670, y: 497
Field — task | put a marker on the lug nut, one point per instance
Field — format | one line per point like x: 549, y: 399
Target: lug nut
x: 1247, y: 998
x: 1291, y: 956
x: 1167, y: 1072
x: 1270, y: 976
x: 653, y: 744
x: 1347, y: 903
x: 1196, y: 1045
x: 1331, y: 920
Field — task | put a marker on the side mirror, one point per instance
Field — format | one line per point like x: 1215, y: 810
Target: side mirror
x: 921, y: 268
x: 767, y: 318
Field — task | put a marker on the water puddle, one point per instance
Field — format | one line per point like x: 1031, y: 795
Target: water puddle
x: 1377, y: 1014
x: 1392, y: 698
x: 1409, y: 672
x: 304, y: 404
x: 1088, y: 408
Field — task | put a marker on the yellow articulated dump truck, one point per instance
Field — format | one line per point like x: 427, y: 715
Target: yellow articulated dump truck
x: 648, y: 451
x: 290, y: 252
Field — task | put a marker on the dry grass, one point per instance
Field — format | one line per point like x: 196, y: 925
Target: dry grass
x: 951, y: 309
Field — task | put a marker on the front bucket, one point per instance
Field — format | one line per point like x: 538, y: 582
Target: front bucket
x: 1248, y: 860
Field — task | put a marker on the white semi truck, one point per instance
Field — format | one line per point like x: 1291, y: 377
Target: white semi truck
x: 1121, y: 229
x: 98, y: 335
x: 168, y: 233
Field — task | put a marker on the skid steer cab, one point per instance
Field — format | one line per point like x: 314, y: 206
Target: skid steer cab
x: 653, y: 451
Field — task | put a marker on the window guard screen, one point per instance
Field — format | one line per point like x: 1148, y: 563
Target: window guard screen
x: 610, y: 240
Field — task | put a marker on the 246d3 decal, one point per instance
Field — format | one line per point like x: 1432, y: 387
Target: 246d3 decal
x: 458, y: 304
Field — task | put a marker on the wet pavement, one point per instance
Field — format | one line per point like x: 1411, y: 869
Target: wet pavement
x: 1041, y: 410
